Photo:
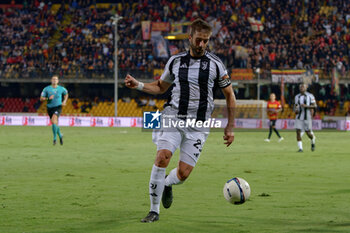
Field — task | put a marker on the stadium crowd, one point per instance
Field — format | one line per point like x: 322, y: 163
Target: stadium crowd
x: 78, y: 39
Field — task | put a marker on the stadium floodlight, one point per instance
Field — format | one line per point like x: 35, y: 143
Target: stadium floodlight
x: 115, y: 20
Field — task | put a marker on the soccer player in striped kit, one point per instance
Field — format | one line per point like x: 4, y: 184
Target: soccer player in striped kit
x: 192, y: 75
x: 304, y: 103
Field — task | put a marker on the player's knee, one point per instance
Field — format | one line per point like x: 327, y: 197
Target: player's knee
x: 163, y: 158
x: 183, y: 174
x: 54, y: 120
x: 309, y: 134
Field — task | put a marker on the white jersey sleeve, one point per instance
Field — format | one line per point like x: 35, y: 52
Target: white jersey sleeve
x: 312, y: 99
x: 222, y: 76
x: 168, y: 75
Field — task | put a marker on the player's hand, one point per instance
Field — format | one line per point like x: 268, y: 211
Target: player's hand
x: 229, y: 136
x: 303, y: 105
x: 130, y: 81
x: 64, y: 103
x: 51, y: 97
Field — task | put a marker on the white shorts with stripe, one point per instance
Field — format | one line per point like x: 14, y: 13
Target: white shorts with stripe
x: 189, y: 140
x: 303, y: 125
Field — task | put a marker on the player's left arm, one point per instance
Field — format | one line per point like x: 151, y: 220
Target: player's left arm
x: 312, y: 105
x: 230, y: 104
x: 65, y: 97
x: 279, y: 108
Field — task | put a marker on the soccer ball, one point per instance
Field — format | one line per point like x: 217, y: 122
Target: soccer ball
x: 236, y: 191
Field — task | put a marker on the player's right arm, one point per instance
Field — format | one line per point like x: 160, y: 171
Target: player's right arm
x: 296, y: 105
x: 156, y: 87
x: 43, y: 95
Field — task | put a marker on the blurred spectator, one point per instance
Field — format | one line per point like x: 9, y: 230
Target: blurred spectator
x: 75, y: 104
x: 348, y: 112
x: 86, y: 107
x: 152, y: 103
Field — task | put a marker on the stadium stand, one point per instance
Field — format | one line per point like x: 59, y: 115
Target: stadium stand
x: 78, y: 38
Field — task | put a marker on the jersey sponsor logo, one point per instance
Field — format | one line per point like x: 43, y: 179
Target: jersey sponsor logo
x: 152, y: 120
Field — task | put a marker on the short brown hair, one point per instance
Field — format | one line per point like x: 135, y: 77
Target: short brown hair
x: 199, y: 25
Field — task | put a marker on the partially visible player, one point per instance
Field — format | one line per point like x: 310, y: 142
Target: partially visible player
x: 273, y: 108
x: 304, y: 105
x: 53, y: 94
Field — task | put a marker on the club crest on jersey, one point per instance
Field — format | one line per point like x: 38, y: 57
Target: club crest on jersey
x: 151, y: 120
x: 204, y: 65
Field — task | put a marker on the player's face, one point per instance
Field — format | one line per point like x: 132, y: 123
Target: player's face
x: 272, y: 97
x: 54, y: 80
x: 302, y: 88
x: 199, y: 42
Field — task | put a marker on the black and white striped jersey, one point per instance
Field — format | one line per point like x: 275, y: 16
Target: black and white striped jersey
x: 307, y: 99
x: 193, y: 80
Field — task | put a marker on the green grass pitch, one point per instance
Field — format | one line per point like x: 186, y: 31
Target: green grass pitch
x: 98, y: 182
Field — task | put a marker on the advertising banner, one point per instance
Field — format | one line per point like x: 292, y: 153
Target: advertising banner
x: 146, y: 30
x: 295, y: 76
x: 242, y: 74
x: 160, y: 47
x: 71, y: 121
x: 161, y: 26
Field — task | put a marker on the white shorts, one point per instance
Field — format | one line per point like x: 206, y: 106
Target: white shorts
x: 303, y: 125
x: 189, y: 140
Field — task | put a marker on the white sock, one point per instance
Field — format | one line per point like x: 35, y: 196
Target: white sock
x: 302, y: 133
x: 156, y: 187
x: 172, y: 178
x: 300, y: 145
x: 313, y: 138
